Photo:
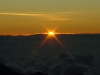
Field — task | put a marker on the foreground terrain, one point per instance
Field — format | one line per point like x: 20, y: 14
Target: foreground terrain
x: 75, y: 54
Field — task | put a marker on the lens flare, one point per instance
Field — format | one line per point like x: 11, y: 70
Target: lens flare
x: 51, y: 33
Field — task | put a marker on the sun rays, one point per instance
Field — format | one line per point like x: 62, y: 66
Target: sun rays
x: 53, y: 35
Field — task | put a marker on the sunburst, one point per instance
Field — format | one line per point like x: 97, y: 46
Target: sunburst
x: 51, y: 33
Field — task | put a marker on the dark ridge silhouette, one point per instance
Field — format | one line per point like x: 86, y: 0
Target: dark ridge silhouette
x: 38, y: 73
x: 87, y: 36
x: 57, y: 70
x: 42, y: 36
x: 4, y: 70
x: 16, y: 68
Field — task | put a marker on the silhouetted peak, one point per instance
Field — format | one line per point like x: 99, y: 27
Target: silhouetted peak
x: 38, y: 73
x: 4, y: 70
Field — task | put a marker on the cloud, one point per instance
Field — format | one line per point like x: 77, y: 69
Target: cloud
x: 42, y: 15
x: 75, y: 69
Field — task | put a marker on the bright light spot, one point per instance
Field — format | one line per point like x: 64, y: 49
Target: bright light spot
x: 51, y: 33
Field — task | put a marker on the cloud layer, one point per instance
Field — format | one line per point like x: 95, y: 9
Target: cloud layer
x: 42, y: 15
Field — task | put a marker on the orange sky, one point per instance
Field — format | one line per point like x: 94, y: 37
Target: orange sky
x: 62, y: 16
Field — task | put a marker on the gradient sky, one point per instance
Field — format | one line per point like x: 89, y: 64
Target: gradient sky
x: 39, y: 16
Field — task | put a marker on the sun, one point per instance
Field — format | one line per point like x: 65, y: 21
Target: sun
x: 51, y: 33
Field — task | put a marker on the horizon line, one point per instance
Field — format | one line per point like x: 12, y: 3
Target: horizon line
x: 44, y: 34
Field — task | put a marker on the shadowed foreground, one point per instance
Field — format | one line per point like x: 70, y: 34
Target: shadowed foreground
x: 19, y: 55
x: 4, y: 70
x: 81, y: 66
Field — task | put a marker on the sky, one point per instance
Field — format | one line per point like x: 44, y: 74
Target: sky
x: 41, y: 16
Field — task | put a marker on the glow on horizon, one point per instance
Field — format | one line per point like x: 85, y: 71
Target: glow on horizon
x: 24, y: 17
x: 52, y: 19
x: 43, y: 34
x: 51, y: 33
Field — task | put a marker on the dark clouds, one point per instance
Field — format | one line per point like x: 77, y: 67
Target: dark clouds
x: 15, y: 53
